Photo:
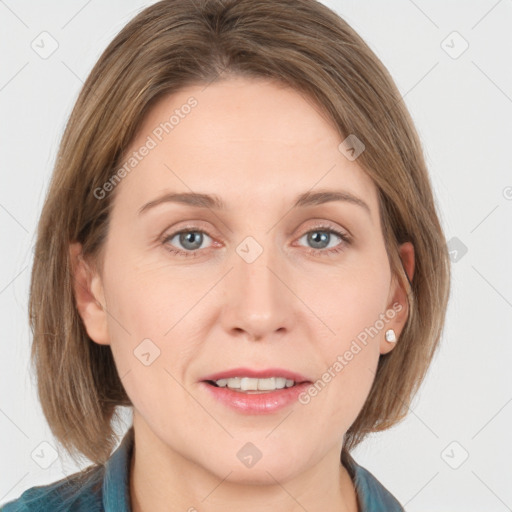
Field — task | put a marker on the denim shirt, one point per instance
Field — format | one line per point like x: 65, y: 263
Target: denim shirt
x: 107, y: 489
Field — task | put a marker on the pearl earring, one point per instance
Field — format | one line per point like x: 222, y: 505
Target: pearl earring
x: 390, y: 336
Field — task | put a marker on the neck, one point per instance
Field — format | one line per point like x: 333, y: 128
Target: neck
x: 161, y: 479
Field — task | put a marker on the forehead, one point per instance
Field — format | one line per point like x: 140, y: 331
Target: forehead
x: 242, y: 139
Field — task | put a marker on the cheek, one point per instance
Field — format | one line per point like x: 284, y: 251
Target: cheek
x: 135, y: 303
x: 351, y: 306
x: 147, y: 323
x: 154, y: 316
x: 144, y: 293
x: 348, y: 298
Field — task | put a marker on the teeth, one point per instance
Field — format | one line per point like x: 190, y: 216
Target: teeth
x: 252, y: 384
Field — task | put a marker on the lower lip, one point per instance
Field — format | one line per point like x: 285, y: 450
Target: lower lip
x: 257, y: 403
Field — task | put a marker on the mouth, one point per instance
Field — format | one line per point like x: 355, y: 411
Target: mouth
x: 244, y: 380
x: 246, y: 385
x: 233, y: 394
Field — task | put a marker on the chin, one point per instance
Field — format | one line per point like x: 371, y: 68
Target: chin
x: 260, y: 474
x: 258, y: 463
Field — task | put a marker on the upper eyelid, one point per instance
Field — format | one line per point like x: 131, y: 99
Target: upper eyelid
x: 322, y: 225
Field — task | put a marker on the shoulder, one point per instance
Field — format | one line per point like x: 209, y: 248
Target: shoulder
x: 78, y: 492
x: 376, y: 497
x: 372, y: 495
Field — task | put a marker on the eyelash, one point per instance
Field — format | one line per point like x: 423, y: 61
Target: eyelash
x: 315, y: 252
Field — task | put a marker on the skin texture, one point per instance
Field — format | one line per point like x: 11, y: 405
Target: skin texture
x: 257, y: 145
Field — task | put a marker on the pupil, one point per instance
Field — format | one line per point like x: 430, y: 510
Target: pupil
x: 188, y: 238
x: 323, y: 236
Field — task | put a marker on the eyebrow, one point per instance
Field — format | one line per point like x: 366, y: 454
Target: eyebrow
x: 214, y: 202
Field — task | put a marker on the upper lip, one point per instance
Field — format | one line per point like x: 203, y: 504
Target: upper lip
x: 258, y: 374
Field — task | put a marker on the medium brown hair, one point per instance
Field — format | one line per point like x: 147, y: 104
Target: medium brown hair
x: 166, y: 47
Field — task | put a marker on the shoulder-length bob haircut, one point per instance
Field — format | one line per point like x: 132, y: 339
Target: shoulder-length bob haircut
x: 166, y: 47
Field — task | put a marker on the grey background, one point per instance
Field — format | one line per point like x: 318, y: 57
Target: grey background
x: 452, y: 452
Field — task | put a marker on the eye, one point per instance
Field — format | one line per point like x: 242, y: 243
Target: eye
x: 191, y: 240
x: 321, y: 237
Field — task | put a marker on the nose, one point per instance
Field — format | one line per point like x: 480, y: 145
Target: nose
x: 258, y: 301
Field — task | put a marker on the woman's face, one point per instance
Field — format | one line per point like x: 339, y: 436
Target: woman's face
x: 259, y: 283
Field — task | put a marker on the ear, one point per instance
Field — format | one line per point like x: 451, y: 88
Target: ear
x: 89, y: 296
x: 398, y: 298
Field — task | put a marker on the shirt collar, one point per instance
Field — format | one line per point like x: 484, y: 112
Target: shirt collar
x: 116, y: 484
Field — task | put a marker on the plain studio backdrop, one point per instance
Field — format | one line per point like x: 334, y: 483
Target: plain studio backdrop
x: 452, y: 62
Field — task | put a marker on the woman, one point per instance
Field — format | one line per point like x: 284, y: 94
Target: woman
x: 239, y: 242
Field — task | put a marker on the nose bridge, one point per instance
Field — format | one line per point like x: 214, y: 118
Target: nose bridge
x: 257, y: 300
x: 252, y: 266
